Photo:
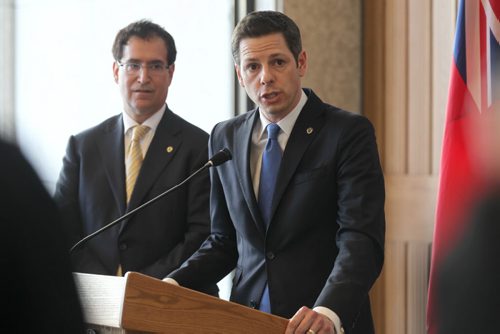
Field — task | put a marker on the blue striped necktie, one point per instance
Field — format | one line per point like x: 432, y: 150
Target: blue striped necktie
x: 271, y: 160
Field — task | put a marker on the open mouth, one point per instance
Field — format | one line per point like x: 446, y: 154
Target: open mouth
x: 269, y: 96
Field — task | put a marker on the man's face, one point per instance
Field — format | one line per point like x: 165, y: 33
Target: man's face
x: 143, y: 78
x: 269, y: 74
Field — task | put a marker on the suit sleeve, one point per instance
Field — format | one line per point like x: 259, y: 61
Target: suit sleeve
x: 361, y: 219
x: 66, y: 193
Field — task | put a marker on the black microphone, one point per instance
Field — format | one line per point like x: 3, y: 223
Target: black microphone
x: 220, y: 157
x: 216, y: 160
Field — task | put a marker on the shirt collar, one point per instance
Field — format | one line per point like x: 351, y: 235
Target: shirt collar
x: 152, y: 122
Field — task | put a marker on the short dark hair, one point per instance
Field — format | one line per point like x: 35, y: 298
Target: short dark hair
x: 261, y: 23
x: 144, y: 29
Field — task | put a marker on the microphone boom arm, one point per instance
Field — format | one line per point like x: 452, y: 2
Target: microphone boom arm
x: 130, y: 213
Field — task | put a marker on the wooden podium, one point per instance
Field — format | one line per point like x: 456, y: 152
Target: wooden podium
x: 140, y: 304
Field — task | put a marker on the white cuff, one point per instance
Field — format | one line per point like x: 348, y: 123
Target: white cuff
x: 332, y: 316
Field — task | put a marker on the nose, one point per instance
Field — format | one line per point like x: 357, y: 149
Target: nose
x: 266, y: 76
x: 143, y: 74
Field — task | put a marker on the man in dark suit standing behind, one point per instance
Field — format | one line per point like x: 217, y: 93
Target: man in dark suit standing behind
x: 102, y: 177
x: 311, y: 245
x: 37, y: 287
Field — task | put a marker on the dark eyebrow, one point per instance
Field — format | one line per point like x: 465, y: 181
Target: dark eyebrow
x: 272, y: 56
x: 133, y: 60
x: 249, y: 60
x: 278, y: 55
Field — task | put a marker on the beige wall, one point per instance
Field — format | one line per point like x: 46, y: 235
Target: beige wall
x: 331, y: 36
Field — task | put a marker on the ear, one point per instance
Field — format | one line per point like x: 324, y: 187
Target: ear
x: 116, y: 68
x: 171, y: 70
x: 302, y: 63
x: 238, y: 74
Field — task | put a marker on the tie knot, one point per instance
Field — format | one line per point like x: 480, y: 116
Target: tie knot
x: 139, y: 131
x: 272, y: 130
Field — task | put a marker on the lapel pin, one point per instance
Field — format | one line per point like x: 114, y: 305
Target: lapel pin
x: 309, y: 130
x: 169, y: 149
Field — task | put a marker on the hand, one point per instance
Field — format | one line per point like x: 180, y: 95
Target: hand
x: 171, y: 281
x: 307, y: 321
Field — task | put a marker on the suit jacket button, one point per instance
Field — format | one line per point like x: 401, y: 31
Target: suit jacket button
x: 123, y: 246
x: 270, y: 255
x: 253, y: 304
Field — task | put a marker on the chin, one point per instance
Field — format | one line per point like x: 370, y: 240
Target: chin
x: 272, y: 110
x: 144, y: 108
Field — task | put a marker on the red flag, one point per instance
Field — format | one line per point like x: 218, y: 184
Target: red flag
x: 473, y: 94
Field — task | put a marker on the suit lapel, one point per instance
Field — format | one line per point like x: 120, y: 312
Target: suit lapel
x: 157, y: 157
x: 306, y: 128
x: 111, y: 148
x: 243, y: 144
x: 304, y: 131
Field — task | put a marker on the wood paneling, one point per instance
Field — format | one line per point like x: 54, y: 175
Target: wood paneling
x: 374, y: 69
x: 419, y: 87
x: 409, y: 207
x: 400, y: 294
x: 409, y: 94
x: 378, y: 302
x: 395, y: 90
x: 417, y: 277
x: 395, y: 282
x: 443, y: 26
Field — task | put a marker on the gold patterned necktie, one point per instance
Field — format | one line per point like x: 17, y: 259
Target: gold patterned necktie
x: 134, y: 157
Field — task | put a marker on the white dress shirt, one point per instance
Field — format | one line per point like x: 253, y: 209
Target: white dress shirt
x: 152, y: 122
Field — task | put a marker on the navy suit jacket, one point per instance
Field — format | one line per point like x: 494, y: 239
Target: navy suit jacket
x: 91, y: 193
x: 325, y: 242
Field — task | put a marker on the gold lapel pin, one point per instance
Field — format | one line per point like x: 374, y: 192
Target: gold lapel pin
x: 169, y: 149
x: 309, y: 130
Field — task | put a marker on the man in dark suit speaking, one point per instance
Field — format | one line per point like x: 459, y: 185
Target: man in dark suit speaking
x: 299, y: 210
x: 131, y: 158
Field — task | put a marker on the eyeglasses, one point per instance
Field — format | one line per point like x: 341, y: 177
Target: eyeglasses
x: 133, y: 68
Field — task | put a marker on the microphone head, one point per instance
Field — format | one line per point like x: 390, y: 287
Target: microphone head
x: 220, y: 157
